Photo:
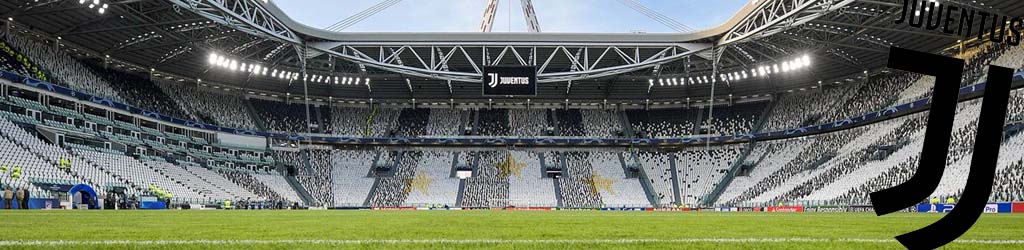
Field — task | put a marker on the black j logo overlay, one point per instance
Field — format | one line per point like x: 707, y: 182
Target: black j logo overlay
x: 948, y: 72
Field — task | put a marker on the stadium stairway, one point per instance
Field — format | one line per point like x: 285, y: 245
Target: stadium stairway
x: 393, y: 190
x: 319, y: 118
x: 645, y: 183
x: 627, y: 129
x: 252, y: 113
x: 622, y: 161
x: 462, y: 190
x: 761, y: 121
x: 558, y: 191
x: 562, y: 164
x: 676, y: 196
x: 462, y: 183
x: 553, y: 122
x: 306, y: 196
x: 303, y: 194
x: 373, y: 189
x: 453, y: 173
x: 712, y: 197
x: 543, y: 172
x: 373, y: 170
x: 475, y: 122
x: 369, y: 124
x: 464, y: 122
x: 700, y: 117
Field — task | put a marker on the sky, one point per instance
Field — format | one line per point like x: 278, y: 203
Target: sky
x: 554, y: 15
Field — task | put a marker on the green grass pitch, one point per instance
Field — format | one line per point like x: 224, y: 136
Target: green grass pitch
x: 481, y: 230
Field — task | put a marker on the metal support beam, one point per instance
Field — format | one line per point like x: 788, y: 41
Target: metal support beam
x: 487, y: 23
x: 775, y: 16
x: 244, y: 15
x: 531, y: 16
x: 917, y: 33
x: 556, y: 63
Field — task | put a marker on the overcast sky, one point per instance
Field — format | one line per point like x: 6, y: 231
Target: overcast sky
x: 553, y: 15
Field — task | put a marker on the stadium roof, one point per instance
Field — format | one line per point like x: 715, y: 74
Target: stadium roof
x: 843, y: 38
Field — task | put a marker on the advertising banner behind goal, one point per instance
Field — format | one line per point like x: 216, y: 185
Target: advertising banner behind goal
x: 510, y: 81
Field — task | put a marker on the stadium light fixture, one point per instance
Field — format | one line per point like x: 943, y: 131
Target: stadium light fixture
x: 790, y: 65
x: 220, y: 61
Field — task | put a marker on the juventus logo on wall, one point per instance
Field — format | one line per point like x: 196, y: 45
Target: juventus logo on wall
x: 509, y: 81
x: 494, y: 79
x: 948, y: 72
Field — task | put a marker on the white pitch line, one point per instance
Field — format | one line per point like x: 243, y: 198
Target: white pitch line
x: 480, y: 241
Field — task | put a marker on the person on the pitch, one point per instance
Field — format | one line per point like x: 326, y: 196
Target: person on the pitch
x: 21, y: 198
x: 8, y: 195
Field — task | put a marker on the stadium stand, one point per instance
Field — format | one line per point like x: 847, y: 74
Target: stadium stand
x: 259, y: 186
x: 822, y: 149
x: 393, y: 189
x: 622, y: 191
x: 382, y: 122
x: 350, y: 172
x: 659, y: 170
x: 702, y: 170
x: 577, y: 187
x: 66, y: 70
x: 570, y: 122
x: 139, y: 91
x: 312, y: 166
x: 494, y: 122
x: 31, y: 167
x: 527, y: 186
x: 287, y: 118
x: 411, y: 123
x: 601, y: 123
x: 222, y: 109
x: 276, y: 184
x: 769, y: 125
x: 433, y: 184
x: 12, y: 61
x: 445, y: 122
x: 489, y: 186
x: 348, y: 121
x: 837, y: 167
x: 527, y: 122
x: 662, y: 123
